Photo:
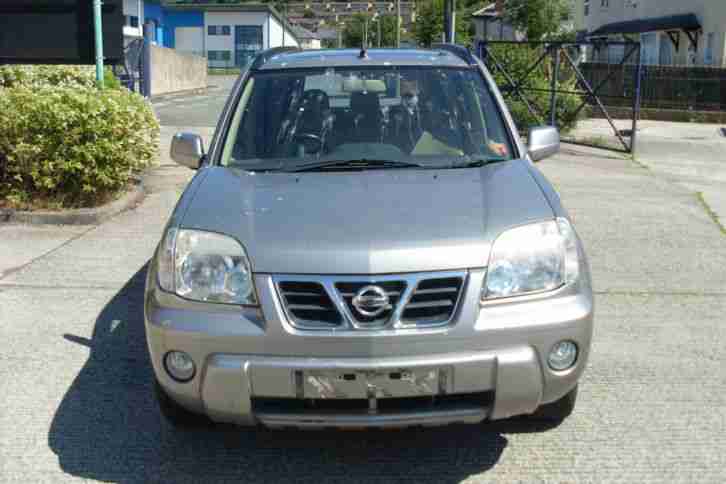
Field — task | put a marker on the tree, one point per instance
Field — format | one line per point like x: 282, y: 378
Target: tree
x: 429, y: 25
x: 538, y: 19
x: 354, y: 28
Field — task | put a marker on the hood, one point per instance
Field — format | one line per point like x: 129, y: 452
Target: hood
x: 367, y: 222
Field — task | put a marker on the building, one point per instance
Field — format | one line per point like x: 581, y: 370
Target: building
x: 133, y: 11
x: 321, y: 13
x: 672, y: 32
x: 489, y: 24
x: 228, y: 35
x: 308, y: 39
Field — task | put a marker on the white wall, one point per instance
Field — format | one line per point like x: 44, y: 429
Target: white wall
x: 189, y: 40
x: 226, y: 42
x: 272, y: 32
x: 135, y: 8
x: 711, y: 14
x: 276, y: 37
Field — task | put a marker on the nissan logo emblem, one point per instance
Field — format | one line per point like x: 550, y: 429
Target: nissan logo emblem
x: 371, y: 301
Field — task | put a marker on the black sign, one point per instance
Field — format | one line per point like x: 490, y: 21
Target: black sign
x: 58, y: 31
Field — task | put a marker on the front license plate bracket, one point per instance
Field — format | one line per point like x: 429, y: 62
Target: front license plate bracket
x: 368, y: 384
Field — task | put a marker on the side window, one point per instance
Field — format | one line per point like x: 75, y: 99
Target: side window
x: 494, y: 134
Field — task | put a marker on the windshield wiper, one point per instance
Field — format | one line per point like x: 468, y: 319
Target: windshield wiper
x: 359, y: 164
x: 476, y: 161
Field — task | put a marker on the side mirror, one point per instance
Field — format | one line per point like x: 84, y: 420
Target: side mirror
x: 187, y: 149
x: 543, y: 142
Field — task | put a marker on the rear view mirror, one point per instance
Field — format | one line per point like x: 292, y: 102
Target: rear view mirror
x: 543, y: 142
x: 187, y: 149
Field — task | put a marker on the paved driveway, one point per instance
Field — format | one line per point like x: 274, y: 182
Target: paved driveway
x: 75, y: 376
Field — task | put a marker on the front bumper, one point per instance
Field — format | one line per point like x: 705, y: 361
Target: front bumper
x: 247, y: 359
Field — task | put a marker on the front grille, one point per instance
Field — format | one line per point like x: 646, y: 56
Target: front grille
x: 394, y: 290
x: 309, y: 304
x: 418, y: 300
x: 433, y: 301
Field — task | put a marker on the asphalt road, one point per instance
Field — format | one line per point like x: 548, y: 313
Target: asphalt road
x: 75, y: 376
x: 197, y: 110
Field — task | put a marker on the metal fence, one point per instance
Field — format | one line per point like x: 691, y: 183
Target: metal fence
x: 663, y: 87
x: 544, y: 83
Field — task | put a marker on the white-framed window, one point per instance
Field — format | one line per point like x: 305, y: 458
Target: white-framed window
x: 605, y: 3
x: 219, y: 55
x: 587, y: 8
x: 131, y: 21
x: 219, y: 30
x: 708, y: 52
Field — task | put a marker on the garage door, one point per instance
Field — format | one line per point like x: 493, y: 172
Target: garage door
x: 189, y: 40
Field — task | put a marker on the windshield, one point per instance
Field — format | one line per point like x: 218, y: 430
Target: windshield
x: 414, y: 116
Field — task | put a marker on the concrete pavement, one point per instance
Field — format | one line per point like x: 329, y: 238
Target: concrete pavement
x: 199, y: 110
x: 691, y: 155
x: 76, y: 379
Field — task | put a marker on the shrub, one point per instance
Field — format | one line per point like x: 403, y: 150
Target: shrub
x: 70, y: 145
x: 59, y: 76
x: 517, y: 60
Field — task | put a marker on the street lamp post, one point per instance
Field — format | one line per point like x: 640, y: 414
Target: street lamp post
x: 398, y: 23
x: 98, y: 30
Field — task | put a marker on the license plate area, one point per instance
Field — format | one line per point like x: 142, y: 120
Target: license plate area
x: 366, y: 384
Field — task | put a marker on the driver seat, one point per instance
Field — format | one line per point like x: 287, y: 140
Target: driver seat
x: 367, y: 116
x: 313, y: 117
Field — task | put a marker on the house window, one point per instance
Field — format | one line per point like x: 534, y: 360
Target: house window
x: 708, y: 53
x: 587, y: 8
x: 605, y: 3
x: 132, y: 21
x: 247, y: 42
x: 219, y: 55
x: 219, y: 58
x: 649, y: 42
x: 218, y: 30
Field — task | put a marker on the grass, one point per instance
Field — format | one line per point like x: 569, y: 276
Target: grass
x: 596, y: 141
x: 637, y: 163
x: 711, y: 213
x: 224, y: 72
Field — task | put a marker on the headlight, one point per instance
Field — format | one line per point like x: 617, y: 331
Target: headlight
x: 205, y: 266
x: 532, y: 258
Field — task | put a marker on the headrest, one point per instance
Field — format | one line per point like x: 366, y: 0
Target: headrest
x: 365, y: 102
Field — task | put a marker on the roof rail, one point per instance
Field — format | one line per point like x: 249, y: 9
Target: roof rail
x: 266, y: 55
x: 459, y: 51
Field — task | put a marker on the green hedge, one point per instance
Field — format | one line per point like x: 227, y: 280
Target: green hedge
x: 54, y: 76
x: 517, y: 60
x: 69, y: 144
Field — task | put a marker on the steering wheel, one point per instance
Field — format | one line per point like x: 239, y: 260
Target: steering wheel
x: 312, y: 142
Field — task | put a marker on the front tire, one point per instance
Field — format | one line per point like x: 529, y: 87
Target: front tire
x: 178, y: 416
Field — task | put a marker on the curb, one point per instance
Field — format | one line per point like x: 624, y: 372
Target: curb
x: 177, y: 94
x: 80, y: 216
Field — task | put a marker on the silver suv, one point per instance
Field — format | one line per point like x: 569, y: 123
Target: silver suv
x: 367, y: 244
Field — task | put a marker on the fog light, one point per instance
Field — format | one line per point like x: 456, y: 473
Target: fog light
x: 179, y: 365
x: 562, y: 355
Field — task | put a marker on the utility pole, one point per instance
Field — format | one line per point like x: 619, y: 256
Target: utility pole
x: 450, y: 21
x: 365, y: 33
x: 98, y: 29
x: 398, y: 24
